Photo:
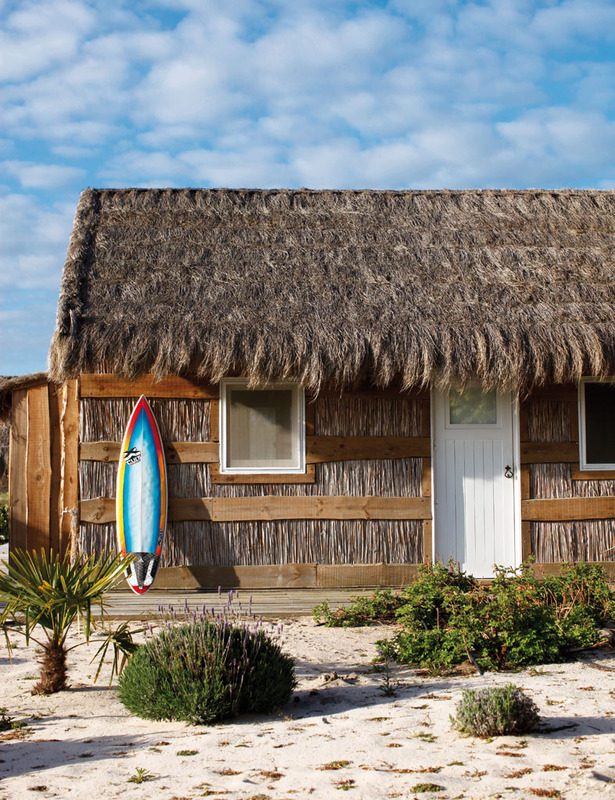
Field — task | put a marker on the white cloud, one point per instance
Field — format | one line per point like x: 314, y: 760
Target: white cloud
x: 33, y: 242
x: 42, y: 176
x: 38, y: 35
x: 561, y: 135
x: 25, y: 332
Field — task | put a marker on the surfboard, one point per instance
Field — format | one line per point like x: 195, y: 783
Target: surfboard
x: 141, y: 503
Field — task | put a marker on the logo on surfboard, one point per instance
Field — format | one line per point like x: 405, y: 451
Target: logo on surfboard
x: 132, y: 456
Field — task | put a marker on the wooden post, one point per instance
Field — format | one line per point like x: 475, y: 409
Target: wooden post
x: 38, y: 469
x: 69, y: 434
x: 214, y: 420
x: 18, y: 504
x: 55, y: 509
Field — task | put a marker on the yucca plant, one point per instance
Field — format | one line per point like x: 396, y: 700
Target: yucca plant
x: 51, y: 593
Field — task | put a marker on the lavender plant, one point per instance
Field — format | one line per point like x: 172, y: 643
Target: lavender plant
x: 213, y: 667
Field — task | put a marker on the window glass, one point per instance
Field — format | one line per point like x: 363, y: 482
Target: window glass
x: 473, y: 406
x: 263, y: 428
x: 599, y: 423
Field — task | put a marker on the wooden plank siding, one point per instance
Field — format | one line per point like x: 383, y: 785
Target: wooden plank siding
x: 104, y: 385
x: 38, y: 471
x: 55, y: 447
x: 69, y: 428
x: 320, y: 449
x: 253, y: 509
x: 18, y: 493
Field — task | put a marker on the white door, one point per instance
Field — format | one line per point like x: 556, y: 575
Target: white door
x: 475, y: 519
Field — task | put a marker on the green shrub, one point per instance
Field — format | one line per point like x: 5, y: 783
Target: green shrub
x: 497, y: 711
x: 206, y: 671
x: 381, y: 606
x: 516, y: 621
x: 4, y: 524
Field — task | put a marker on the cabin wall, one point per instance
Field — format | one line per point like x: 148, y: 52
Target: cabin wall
x: 576, y: 521
x: 42, y: 419
x: 354, y: 507
x: 361, y: 516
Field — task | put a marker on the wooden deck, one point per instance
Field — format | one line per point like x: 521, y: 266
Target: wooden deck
x: 268, y: 603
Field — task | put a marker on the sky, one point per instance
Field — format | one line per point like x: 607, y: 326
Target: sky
x: 418, y: 94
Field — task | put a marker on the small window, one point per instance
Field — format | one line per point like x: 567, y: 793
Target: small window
x: 262, y: 430
x: 473, y: 407
x: 597, y: 425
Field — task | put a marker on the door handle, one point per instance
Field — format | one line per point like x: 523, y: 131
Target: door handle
x: 508, y: 473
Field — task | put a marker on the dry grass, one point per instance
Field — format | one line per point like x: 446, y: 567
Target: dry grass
x: 340, y: 287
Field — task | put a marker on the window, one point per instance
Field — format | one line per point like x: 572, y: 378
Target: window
x: 597, y: 425
x: 472, y: 407
x: 262, y: 430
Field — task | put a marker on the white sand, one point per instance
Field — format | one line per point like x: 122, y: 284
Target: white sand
x: 82, y: 743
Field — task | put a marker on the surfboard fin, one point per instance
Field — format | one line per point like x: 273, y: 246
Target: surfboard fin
x: 141, y: 573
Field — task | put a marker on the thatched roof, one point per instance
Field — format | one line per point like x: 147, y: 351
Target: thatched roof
x: 510, y: 287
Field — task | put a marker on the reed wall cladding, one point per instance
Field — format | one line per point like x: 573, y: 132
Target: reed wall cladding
x: 558, y: 542
x: 196, y: 543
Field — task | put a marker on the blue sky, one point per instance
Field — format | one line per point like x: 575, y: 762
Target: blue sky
x: 268, y: 93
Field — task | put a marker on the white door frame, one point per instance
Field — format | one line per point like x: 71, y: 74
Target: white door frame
x: 516, y: 434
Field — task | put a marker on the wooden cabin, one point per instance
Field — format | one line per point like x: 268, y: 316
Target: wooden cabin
x: 348, y: 383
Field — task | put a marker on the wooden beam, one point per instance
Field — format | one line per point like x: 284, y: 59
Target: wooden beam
x: 568, y: 509
x: 247, y: 509
x: 310, y: 416
x: 427, y: 541
x: 69, y: 422
x: 55, y: 511
x: 564, y: 391
x: 526, y: 540
x: 545, y: 569
x: 549, y: 452
x: 38, y: 468
x: 214, y: 420
x: 391, y: 391
x: 285, y: 576
x: 309, y: 476
x: 592, y: 475
x: 319, y: 449
x: 348, y: 448
x: 18, y: 497
x: 175, y: 452
x: 426, y: 478
x: 95, y: 385
x: 524, y: 481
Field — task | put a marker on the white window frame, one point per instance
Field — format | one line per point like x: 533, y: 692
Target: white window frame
x: 583, y: 465
x: 298, y: 416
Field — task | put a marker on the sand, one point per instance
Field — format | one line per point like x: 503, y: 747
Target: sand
x: 82, y: 743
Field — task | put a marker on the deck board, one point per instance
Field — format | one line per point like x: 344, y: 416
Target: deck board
x: 268, y: 603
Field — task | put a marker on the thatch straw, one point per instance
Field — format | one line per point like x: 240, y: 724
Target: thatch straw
x: 514, y: 288
x: 281, y: 542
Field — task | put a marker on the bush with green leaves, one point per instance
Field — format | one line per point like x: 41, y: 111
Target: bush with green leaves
x: 381, y: 606
x: 4, y: 524
x: 517, y: 620
x: 205, y: 671
x: 496, y: 711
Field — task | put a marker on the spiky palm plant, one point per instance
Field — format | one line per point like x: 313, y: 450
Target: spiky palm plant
x: 51, y: 593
